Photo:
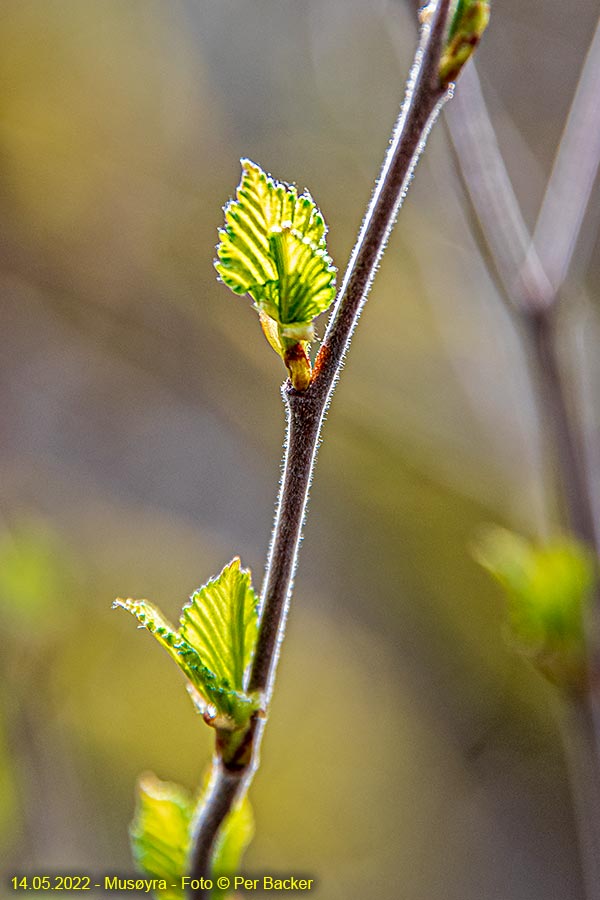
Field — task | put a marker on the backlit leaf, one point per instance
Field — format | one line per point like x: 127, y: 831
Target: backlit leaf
x: 160, y: 833
x: 220, y: 624
x: 214, y: 644
x: 273, y: 248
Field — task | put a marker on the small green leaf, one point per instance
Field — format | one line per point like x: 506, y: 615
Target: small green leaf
x: 548, y: 590
x: 214, y: 644
x: 236, y: 834
x: 467, y: 24
x: 160, y: 833
x: 273, y: 248
x: 220, y: 623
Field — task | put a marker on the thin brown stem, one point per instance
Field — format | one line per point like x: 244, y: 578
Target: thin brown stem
x: 220, y: 797
x: 306, y: 410
x: 304, y: 415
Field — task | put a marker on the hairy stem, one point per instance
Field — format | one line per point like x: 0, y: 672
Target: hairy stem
x: 306, y: 409
x: 304, y: 416
x: 220, y: 797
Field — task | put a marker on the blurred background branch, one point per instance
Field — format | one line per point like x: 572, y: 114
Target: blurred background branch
x: 532, y: 270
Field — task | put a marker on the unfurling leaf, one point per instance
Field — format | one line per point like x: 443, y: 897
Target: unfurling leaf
x: 214, y: 644
x: 468, y: 20
x: 273, y: 248
x: 220, y: 624
x: 548, y: 590
x: 160, y: 833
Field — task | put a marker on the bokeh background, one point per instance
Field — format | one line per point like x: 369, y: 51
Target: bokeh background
x: 409, y: 752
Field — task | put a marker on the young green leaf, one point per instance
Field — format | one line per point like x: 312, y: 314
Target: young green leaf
x: 220, y: 623
x: 160, y: 833
x: 273, y: 248
x: 468, y: 20
x: 548, y: 590
x: 214, y: 644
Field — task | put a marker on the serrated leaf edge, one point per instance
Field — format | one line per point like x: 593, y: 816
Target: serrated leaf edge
x: 263, y: 232
x: 223, y: 706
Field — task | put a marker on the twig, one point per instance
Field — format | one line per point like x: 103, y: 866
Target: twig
x: 578, y: 730
x: 541, y: 261
x: 527, y: 287
x: 217, y: 802
x: 306, y: 410
x: 532, y: 282
x: 488, y: 185
x: 573, y: 174
x: 540, y: 328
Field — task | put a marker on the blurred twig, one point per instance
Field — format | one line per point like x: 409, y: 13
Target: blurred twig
x: 573, y: 175
x: 532, y: 271
x: 578, y: 733
x: 488, y: 184
x: 519, y: 258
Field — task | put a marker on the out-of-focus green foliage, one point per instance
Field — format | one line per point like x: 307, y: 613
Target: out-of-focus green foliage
x: 548, y: 589
x: 32, y: 577
x: 9, y: 799
x: 160, y: 833
x: 38, y: 590
x: 214, y: 644
x: 273, y: 247
x: 236, y: 834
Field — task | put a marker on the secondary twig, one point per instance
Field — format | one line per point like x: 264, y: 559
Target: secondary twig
x: 532, y: 271
x: 488, y: 185
x: 578, y: 734
x: 573, y: 174
x: 517, y: 259
x: 306, y: 409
